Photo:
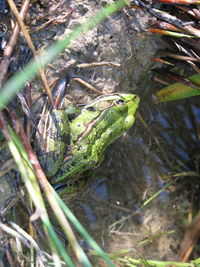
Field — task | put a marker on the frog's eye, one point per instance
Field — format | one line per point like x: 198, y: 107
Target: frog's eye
x: 120, y: 102
x: 90, y: 108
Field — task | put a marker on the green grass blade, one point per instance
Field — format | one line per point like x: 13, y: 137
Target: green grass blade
x: 31, y: 184
x: 131, y: 262
x: 34, y: 191
x: 83, y: 232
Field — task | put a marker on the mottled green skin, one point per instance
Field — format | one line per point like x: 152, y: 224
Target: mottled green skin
x: 98, y: 125
x: 67, y: 149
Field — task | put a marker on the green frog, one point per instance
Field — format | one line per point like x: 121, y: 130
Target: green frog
x: 67, y: 148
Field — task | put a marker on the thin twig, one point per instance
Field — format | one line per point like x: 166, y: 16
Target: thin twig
x: 32, y: 47
x: 55, y: 20
x: 184, y: 58
x: 88, y: 86
x: 11, y: 43
x: 96, y: 64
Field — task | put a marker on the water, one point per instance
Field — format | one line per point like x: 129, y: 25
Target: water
x: 136, y: 168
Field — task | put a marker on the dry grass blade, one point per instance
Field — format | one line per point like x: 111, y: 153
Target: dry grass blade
x: 11, y: 43
x: 191, y: 11
x: 54, y: 20
x: 190, y: 239
x: 181, y: 2
x: 49, y: 192
x: 97, y: 64
x: 32, y: 47
x: 183, y: 49
x: 88, y: 86
x: 170, y: 33
x: 161, y: 60
x: 183, y: 58
x: 27, y: 241
x: 177, y: 78
x: 159, y: 80
x: 28, y: 175
x: 165, y: 26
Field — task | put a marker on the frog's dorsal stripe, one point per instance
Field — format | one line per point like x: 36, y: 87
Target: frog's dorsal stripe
x: 91, y: 125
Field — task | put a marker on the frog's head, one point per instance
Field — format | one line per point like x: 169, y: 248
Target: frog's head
x: 104, y: 102
x: 104, y: 119
x: 116, y: 114
x: 117, y: 107
x: 128, y: 105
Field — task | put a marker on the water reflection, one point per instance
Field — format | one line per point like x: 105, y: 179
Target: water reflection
x: 100, y: 189
x: 90, y: 214
x: 166, y: 136
x: 162, y: 120
x: 181, y: 153
x: 146, y: 174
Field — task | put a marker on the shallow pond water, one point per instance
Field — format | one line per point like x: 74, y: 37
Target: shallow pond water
x: 114, y: 205
x: 136, y: 167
